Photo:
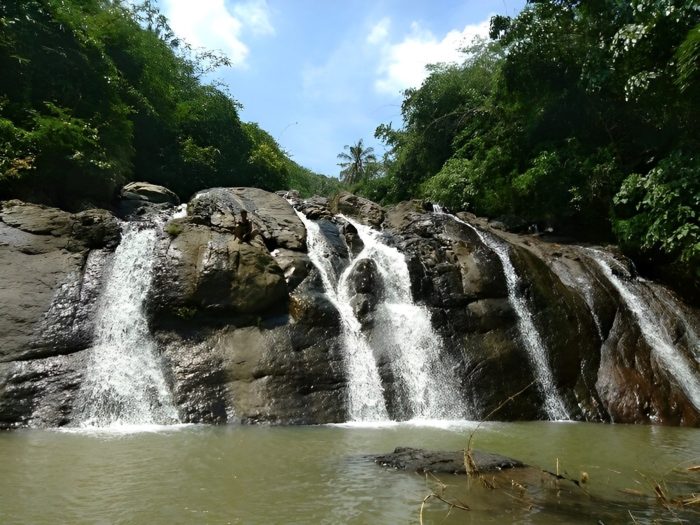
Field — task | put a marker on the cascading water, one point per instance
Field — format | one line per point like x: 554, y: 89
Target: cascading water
x: 124, y: 382
x: 365, y: 392
x: 675, y: 310
x: 553, y: 404
x: 404, y: 330
x: 684, y: 371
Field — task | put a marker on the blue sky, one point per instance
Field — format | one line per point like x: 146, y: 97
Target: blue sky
x: 321, y: 74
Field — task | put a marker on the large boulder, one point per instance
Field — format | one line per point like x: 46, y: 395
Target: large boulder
x: 270, y: 213
x: 315, y: 208
x: 214, y: 271
x: 289, y: 374
x: 51, y: 262
x: 359, y: 208
x: 147, y: 192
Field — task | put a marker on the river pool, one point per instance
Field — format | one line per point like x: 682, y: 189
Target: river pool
x: 270, y: 475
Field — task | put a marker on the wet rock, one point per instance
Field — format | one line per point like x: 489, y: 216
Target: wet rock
x: 366, y: 289
x: 352, y: 239
x: 50, y: 277
x: 40, y: 392
x: 440, y: 462
x: 313, y: 309
x: 290, y: 374
x: 633, y: 385
x: 337, y: 249
x: 215, y: 271
x: 363, y: 210
x: 295, y: 265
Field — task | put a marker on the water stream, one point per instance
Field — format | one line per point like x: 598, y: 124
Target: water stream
x: 553, y: 403
x: 684, y: 371
x: 365, y: 391
x: 124, y: 382
x: 404, y: 331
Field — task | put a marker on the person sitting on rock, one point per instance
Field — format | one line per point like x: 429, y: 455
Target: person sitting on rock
x: 244, y: 228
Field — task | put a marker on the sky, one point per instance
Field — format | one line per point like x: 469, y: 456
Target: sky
x: 320, y: 74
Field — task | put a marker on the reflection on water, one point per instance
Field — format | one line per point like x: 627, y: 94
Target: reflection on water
x: 198, y: 474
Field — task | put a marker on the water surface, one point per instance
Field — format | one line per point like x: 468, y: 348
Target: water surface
x: 259, y: 474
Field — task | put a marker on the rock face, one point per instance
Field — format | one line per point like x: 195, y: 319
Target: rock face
x: 49, y: 264
x: 50, y: 267
x: 247, y: 332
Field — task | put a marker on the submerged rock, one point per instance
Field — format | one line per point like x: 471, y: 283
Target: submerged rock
x: 441, y: 462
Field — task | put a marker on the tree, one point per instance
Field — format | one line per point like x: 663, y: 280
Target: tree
x: 357, y: 164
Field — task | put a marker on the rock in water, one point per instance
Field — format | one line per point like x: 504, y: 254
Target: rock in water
x: 440, y: 462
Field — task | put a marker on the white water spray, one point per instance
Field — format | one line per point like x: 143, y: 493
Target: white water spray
x: 553, y: 404
x: 124, y: 382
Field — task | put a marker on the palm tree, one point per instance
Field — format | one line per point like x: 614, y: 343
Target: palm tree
x: 355, y: 164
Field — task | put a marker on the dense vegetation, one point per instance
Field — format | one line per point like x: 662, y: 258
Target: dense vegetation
x: 580, y: 115
x: 94, y: 93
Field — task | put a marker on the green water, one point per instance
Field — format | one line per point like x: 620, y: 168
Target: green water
x: 271, y: 475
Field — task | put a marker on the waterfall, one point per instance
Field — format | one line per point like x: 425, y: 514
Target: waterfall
x: 124, y: 382
x: 404, y: 331
x: 676, y: 311
x: 553, y: 404
x: 365, y: 392
x: 684, y: 371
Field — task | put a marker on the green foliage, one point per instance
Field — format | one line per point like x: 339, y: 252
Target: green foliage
x: 666, y: 208
x: 173, y: 228
x: 267, y: 162
x: 94, y: 93
x: 308, y: 183
x: 16, y: 154
x: 580, y: 115
x: 688, y: 59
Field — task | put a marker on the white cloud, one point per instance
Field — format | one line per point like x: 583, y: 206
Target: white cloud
x: 402, y: 65
x: 379, y: 31
x: 211, y: 24
x: 255, y: 15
